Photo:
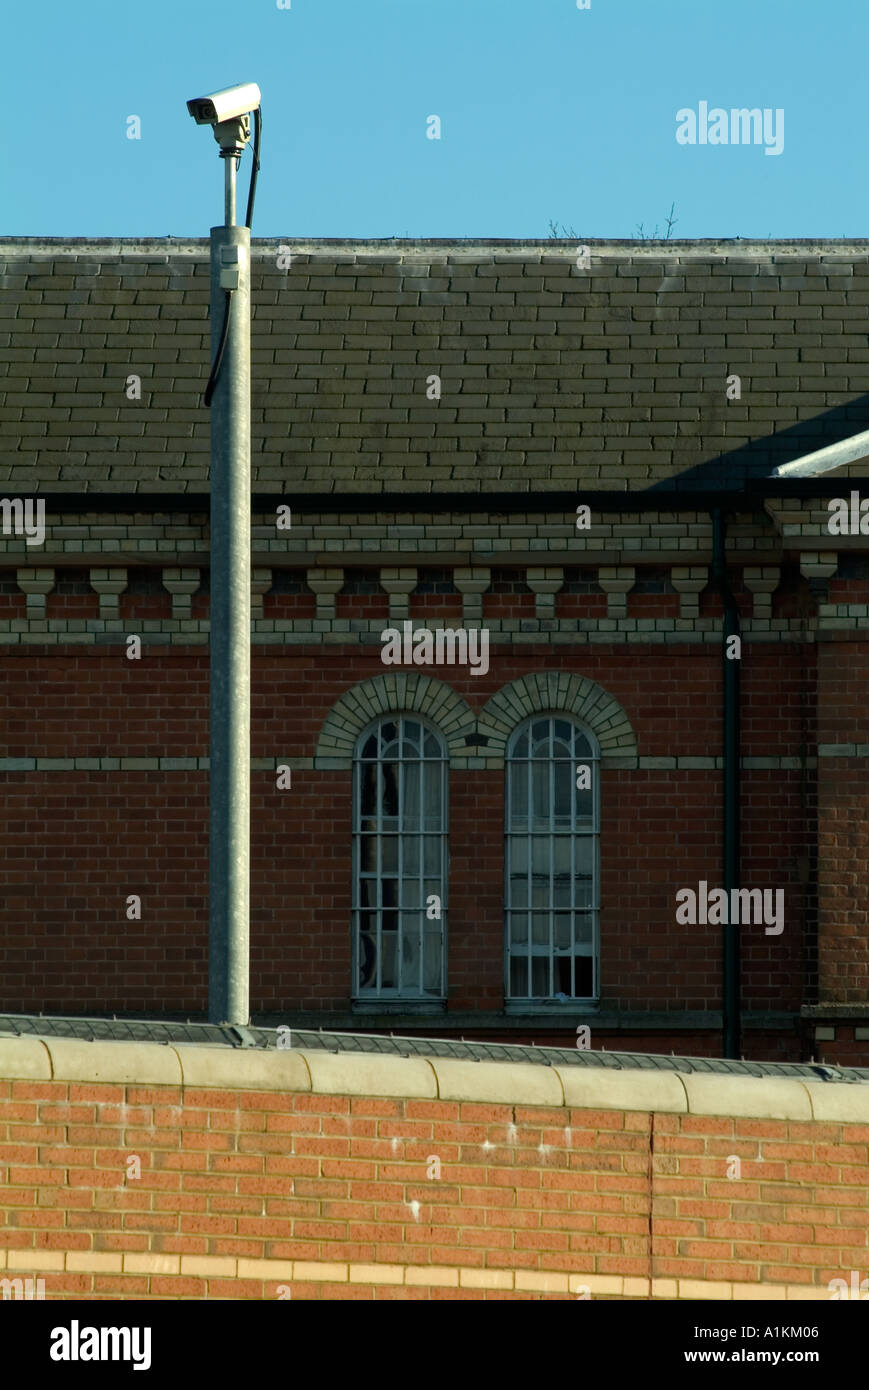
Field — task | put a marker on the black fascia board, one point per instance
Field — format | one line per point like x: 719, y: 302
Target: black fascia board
x: 664, y: 500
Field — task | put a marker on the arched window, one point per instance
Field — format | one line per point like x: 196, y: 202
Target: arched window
x: 552, y: 861
x: 399, y: 861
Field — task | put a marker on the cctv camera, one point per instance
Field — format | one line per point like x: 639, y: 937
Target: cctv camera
x: 225, y: 105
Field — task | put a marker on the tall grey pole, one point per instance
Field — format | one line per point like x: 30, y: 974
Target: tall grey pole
x: 229, y: 781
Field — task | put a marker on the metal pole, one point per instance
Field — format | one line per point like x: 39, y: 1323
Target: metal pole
x: 229, y: 781
x: 732, y: 1004
x: 229, y: 173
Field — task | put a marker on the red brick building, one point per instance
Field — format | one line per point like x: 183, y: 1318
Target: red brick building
x: 495, y: 845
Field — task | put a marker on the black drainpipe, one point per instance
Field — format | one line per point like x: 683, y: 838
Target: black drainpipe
x: 730, y: 990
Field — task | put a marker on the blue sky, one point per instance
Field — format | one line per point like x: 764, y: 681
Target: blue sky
x: 547, y: 113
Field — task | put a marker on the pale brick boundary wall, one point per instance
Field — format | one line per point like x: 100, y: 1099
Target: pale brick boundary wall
x: 264, y: 1173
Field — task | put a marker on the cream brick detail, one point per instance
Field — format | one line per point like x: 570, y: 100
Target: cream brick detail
x: 36, y: 584
x: 48, y: 1261
x: 705, y: 1288
x: 761, y: 1293
x: 399, y: 585
x: 636, y: 1288
x: 486, y: 1278
x: 689, y: 582
x: 208, y: 1266
x: 260, y: 583
x: 377, y: 1274
x: 665, y: 1288
x: 321, y: 1273
x: 265, y: 1269
x: 544, y: 1281
x: 152, y: 1264
x: 602, y: 1283
x: 818, y: 564
x: 93, y: 1262
x: 762, y: 582
x: 326, y: 584
x: 441, y: 1278
x: 109, y: 584
x: 472, y: 584
x: 616, y: 584
x: 545, y: 584
x: 182, y: 585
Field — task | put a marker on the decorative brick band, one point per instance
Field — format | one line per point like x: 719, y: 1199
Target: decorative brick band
x: 272, y: 1274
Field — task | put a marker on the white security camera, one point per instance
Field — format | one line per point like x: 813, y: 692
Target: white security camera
x: 226, y: 105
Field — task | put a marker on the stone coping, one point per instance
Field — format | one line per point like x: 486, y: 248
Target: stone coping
x: 434, y: 1078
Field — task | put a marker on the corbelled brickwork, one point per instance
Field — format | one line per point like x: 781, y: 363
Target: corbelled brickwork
x: 138, y: 1171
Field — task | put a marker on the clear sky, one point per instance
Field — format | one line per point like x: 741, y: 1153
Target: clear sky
x: 547, y: 112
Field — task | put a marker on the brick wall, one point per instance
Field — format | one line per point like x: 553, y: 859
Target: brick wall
x: 316, y: 1175
x: 75, y: 843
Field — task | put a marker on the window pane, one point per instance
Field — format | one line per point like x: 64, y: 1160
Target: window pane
x: 540, y: 856
x: 432, y: 855
x: 410, y: 738
x: 539, y: 977
x: 563, y: 931
x: 369, y: 749
x: 410, y: 948
x: 389, y: 774
x: 584, y: 971
x: 390, y: 854
x: 521, y: 746
x: 584, y: 929
x: 432, y: 798
x: 541, y: 797
x: 368, y: 793
x: 518, y: 775
x: 368, y: 854
x: 410, y: 849
x: 388, y: 946
x: 562, y: 732
x: 563, y: 786
x: 431, y: 981
x: 412, y: 772
x: 518, y: 891
x: 581, y: 747
x: 540, y: 740
x: 518, y: 977
x: 519, y: 928
x: 519, y: 854
x: 367, y: 959
x: 540, y: 928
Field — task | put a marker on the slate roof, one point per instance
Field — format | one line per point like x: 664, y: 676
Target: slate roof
x: 552, y: 377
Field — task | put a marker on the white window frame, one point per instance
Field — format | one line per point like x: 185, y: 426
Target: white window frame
x: 589, y: 827
x: 405, y: 989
